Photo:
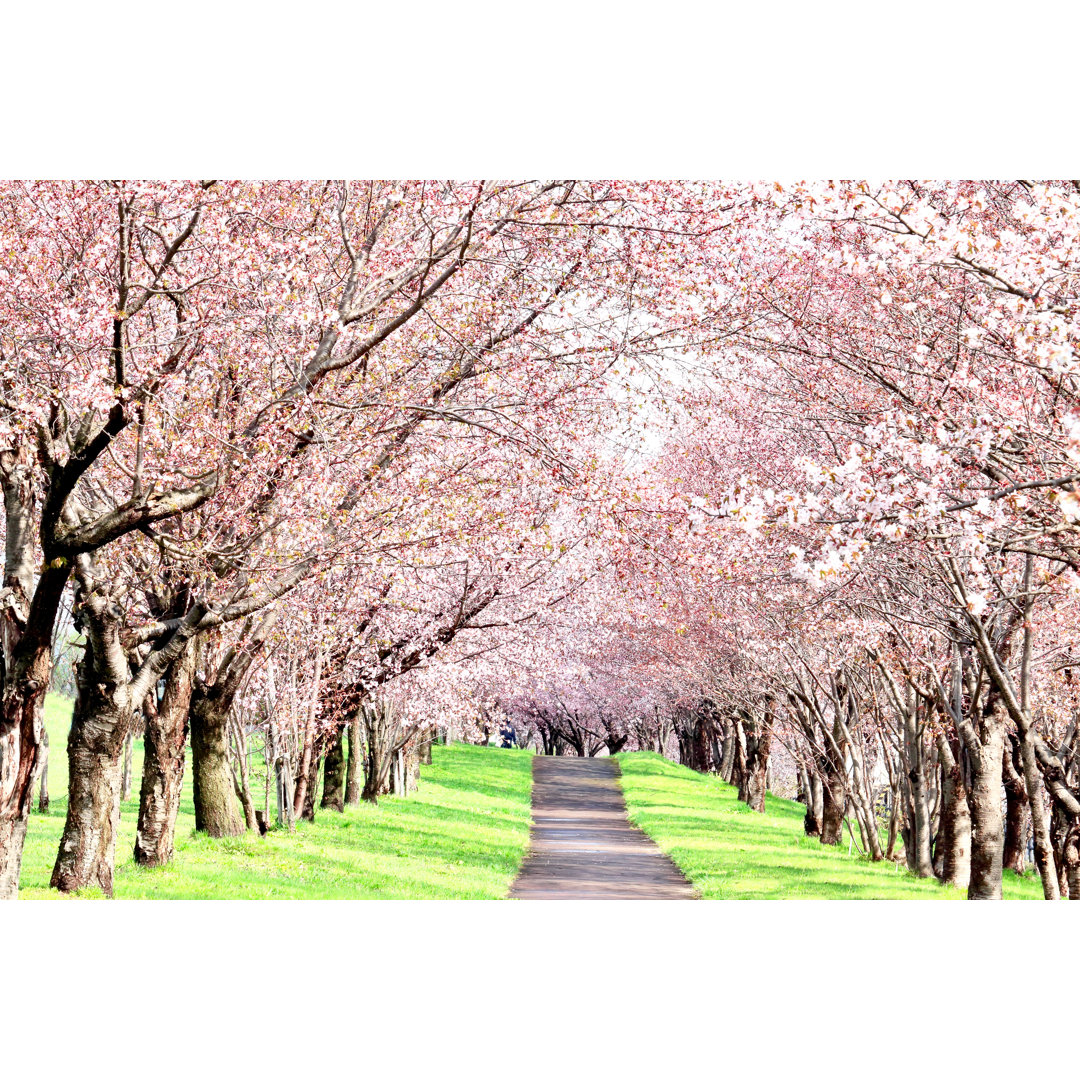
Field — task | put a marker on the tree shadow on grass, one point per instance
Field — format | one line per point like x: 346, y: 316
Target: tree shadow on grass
x: 729, y: 851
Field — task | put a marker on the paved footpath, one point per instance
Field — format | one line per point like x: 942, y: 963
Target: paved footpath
x: 583, y: 846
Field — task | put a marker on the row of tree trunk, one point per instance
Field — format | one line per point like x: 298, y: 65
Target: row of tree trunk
x: 382, y: 758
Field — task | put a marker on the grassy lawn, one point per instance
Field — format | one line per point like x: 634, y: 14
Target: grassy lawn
x: 463, y: 835
x: 730, y: 852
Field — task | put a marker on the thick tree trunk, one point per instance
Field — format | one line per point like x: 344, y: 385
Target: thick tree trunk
x: 695, y: 743
x: 955, y: 833
x: 12, y: 840
x: 103, y: 717
x: 26, y: 645
x: 216, y: 809
x: 987, y: 824
x: 753, y: 785
x: 333, y: 797
x: 21, y: 730
x: 95, y: 745
x: 753, y: 773
x: 833, y: 802
x: 164, y: 745
x: 354, y: 775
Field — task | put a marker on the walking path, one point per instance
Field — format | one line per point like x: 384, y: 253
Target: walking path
x: 583, y: 846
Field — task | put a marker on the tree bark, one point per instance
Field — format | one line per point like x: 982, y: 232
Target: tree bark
x: 242, y: 783
x: 381, y: 732
x: 216, y: 809
x: 27, y: 618
x: 920, y: 858
x: 126, y: 767
x: 833, y: 801
x: 1071, y: 860
x: 354, y: 775
x: 1016, y: 801
x: 307, y: 808
x: 987, y: 823
x: 755, y: 764
x: 727, y: 761
x: 427, y: 738
x: 405, y: 773
x: 1040, y: 821
x: 955, y: 817
x: 95, y: 744
x: 164, y: 745
x: 812, y: 820
x: 43, y: 772
x: 333, y: 797
x: 105, y: 704
x: 29, y: 669
x: 303, y: 798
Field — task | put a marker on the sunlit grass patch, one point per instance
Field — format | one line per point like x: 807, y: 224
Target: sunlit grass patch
x: 730, y: 852
x: 463, y: 835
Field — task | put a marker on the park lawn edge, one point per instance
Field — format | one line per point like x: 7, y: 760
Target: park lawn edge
x: 728, y: 851
x: 462, y: 835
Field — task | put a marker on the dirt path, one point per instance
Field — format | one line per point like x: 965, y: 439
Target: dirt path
x: 583, y: 847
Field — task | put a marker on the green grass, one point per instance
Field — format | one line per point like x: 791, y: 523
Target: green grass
x: 728, y: 851
x: 463, y: 835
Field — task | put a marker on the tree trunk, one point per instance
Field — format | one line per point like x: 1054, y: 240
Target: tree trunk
x: 1071, y: 860
x: 380, y: 735
x: 307, y: 809
x: 1040, y: 823
x: 164, y: 744
x: 333, y: 797
x: 126, y: 768
x: 987, y: 824
x: 242, y: 783
x: 95, y: 745
x: 43, y: 773
x: 354, y: 775
x: 26, y: 639
x: 216, y: 810
x: 812, y: 819
x: 955, y: 817
x: 284, y: 787
x: 21, y: 729
x: 405, y: 772
x: 753, y: 786
x: 920, y: 858
x: 307, y: 774
x: 833, y: 801
x: 1016, y: 802
x: 103, y: 717
x: 727, y: 761
x: 427, y: 737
